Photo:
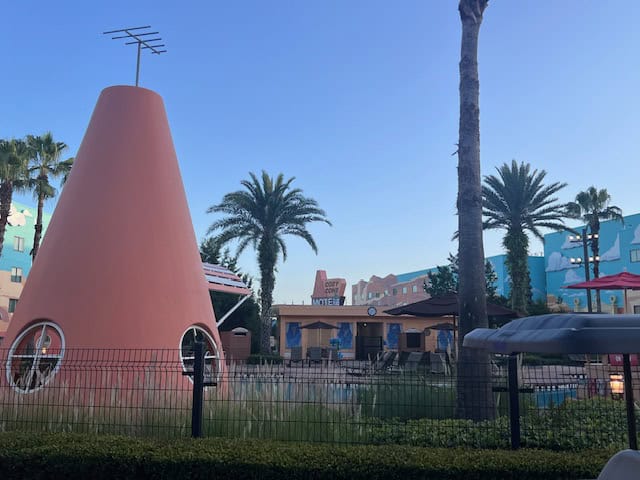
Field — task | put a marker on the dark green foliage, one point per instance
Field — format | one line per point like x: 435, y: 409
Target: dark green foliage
x: 573, y: 425
x: 45, y: 163
x: 445, y: 279
x: 259, y: 359
x: 441, y: 282
x: 517, y: 201
x: 69, y: 457
x: 261, y: 215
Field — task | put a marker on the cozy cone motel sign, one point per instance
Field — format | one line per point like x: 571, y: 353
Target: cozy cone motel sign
x: 328, y: 291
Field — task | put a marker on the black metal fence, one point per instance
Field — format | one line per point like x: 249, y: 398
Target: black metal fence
x: 564, y: 405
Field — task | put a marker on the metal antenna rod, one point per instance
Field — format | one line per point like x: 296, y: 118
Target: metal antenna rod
x: 138, y: 39
x: 138, y: 64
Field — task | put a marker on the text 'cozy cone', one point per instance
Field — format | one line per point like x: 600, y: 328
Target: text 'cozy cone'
x: 119, y: 266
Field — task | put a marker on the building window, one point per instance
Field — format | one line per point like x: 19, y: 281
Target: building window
x: 413, y: 340
x: 18, y: 244
x: 636, y: 309
x: 404, y: 290
x: 211, y: 358
x: 635, y: 255
x: 414, y: 289
x: 35, y: 357
x: 12, y: 304
x: 395, y: 291
x: 16, y: 274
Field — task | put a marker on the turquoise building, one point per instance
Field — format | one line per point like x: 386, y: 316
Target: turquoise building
x: 502, y: 284
x: 536, y: 272
x: 619, y: 251
x: 15, y: 260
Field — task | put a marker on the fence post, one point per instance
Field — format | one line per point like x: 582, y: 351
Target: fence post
x: 514, y: 402
x: 628, y: 396
x: 198, y: 390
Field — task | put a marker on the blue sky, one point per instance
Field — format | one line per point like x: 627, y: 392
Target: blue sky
x: 357, y: 99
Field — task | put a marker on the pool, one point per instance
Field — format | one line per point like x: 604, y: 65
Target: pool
x: 548, y: 396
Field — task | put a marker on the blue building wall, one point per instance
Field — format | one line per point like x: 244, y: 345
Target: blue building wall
x: 21, y: 224
x: 619, y: 251
x: 536, y: 272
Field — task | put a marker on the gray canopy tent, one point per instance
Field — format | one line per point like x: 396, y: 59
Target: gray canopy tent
x: 565, y: 334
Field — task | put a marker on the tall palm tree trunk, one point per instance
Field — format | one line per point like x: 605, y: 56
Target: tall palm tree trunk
x: 474, y: 394
x: 38, y: 228
x: 517, y: 246
x: 6, y: 194
x: 267, y: 261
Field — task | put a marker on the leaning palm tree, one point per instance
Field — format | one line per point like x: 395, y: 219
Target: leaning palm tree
x: 45, y: 164
x: 592, y: 206
x: 474, y: 397
x: 518, y: 201
x: 260, y: 216
x: 13, y: 173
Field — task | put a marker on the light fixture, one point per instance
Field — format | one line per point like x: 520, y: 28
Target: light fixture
x: 576, y: 260
x: 616, y: 384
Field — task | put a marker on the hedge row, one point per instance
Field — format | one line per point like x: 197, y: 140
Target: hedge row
x: 72, y: 456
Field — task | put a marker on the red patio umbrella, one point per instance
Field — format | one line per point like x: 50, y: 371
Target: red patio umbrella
x: 620, y: 281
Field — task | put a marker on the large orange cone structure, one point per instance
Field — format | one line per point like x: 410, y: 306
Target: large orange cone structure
x: 119, y: 267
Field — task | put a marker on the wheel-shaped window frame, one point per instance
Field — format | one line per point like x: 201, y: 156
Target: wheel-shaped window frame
x: 40, y: 352
x: 212, y: 363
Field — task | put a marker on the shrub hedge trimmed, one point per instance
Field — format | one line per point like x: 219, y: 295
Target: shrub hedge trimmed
x: 72, y: 456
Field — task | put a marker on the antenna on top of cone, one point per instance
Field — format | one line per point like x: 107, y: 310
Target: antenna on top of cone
x: 139, y: 37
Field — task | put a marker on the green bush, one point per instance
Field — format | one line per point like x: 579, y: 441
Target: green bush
x: 573, y: 425
x: 69, y: 457
x: 259, y: 359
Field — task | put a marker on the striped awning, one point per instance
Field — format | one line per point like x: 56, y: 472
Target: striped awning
x: 221, y: 279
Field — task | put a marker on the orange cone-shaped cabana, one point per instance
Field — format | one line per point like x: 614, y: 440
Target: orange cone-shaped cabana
x: 119, y: 267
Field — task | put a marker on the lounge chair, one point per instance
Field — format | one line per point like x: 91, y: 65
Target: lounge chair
x: 412, y: 362
x: 296, y: 355
x: 382, y: 363
x: 314, y: 354
x: 439, y: 363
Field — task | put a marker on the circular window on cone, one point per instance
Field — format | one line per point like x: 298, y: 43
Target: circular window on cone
x: 211, y: 356
x: 35, y: 357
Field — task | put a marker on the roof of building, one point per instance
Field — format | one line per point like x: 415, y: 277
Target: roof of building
x: 221, y: 279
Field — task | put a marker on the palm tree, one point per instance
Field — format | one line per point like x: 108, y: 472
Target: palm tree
x: 45, y: 164
x: 13, y: 173
x: 518, y: 201
x: 260, y: 216
x: 474, y: 398
x: 592, y: 206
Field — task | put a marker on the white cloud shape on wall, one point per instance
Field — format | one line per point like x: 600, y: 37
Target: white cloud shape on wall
x: 613, y: 253
x: 16, y: 218
x: 636, y: 236
x: 569, y: 244
x: 557, y: 262
x: 572, y: 277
